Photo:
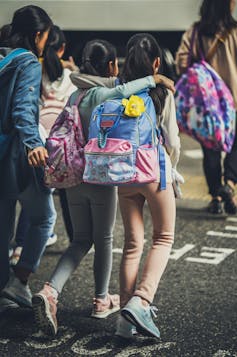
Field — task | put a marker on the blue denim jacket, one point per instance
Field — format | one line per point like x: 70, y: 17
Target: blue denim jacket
x: 19, y: 108
x: 19, y: 113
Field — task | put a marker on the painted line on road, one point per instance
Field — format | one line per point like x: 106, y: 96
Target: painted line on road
x: 231, y: 228
x: 193, y: 154
x: 231, y: 219
x: 210, y: 255
x: 221, y: 234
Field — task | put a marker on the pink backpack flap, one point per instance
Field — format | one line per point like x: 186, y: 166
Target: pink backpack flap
x: 205, y: 107
x: 65, y: 145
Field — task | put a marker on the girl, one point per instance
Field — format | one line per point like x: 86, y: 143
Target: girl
x: 20, y: 90
x: 143, y: 58
x: 92, y: 207
x: 216, y: 20
x: 56, y: 87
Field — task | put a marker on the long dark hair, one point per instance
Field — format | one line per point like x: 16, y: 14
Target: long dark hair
x: 141, y: 51
x: 4, y: 34
x: 52, y: 63
x: 26, y: 22
x: 215, y: 14
x: 96, y: 57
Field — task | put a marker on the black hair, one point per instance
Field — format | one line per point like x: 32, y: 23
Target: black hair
x: 96, y: 56
x: 141, y: 51
x: 215, y: 14
x: 26, y: 22
x: 52, y: 63
x: 4, y: 34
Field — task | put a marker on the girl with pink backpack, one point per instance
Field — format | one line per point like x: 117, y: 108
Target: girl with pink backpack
x: 92, y: 207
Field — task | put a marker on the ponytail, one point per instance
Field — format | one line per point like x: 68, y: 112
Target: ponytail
x: 52, y: 63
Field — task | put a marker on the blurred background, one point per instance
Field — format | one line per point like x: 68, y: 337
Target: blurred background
x: 114, y: 20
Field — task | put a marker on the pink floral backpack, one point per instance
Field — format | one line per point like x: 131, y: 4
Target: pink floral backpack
x: 204, y: 104
x: 65, y: 145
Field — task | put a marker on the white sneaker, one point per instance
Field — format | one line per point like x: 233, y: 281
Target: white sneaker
x: 124, y: 328
x: 52, y: 239
x: 18, y: 292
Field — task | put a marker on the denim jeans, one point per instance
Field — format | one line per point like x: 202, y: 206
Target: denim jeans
x: 41, y: 213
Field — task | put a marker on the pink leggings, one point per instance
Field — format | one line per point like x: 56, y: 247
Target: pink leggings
x: 163, y: 212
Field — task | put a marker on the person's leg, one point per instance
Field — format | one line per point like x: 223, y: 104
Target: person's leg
x: 22, y: 228
x: 162, y: 208
x: 45, y: 302
x: 7, y: 221
x: 39, y: 208
x: 212, y: 170
x: 80, y: 211
x: 103, y: 208
x: 213, y: 174
x: 131, y: 206
x: 66, y: 213
x: 230, y: 179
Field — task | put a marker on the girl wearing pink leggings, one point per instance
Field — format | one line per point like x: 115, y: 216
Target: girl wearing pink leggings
x: 143, y: 58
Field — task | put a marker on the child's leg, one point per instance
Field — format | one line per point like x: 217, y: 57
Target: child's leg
x: 162, y: 207
x: 103, y: 210
x: 131, y: 205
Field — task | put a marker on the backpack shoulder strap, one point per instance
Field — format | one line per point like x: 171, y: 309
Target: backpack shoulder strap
x: 4, y: 62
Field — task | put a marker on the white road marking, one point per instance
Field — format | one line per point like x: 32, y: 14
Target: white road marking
x: 230, y: 228
x: 223, y: 353
x: 144, y: 351
x: 210, y: 255
x: 4, y: 341
x: 221, y: 234
x: 178, y: 253
x: 231, y: 219
x: 32, y: 341
x: 193, y: 154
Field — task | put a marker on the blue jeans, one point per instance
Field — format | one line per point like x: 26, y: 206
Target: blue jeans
x: 41, y: 213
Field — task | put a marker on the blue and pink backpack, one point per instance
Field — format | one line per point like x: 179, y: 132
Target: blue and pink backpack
x: 204, y: 105
x: 124, y: 143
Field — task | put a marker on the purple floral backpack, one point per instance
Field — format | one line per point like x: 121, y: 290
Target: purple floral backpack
x: 65, y: 165
x: 204, y: 104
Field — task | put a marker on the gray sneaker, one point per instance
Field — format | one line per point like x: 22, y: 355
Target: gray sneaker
x: 125, y: 329
x: 18, y: 292
x: 141, y: 317
x: 6, y: 304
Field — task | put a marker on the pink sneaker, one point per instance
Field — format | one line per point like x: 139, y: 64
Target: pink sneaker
x: 104, y: 307
x: 45, y: 308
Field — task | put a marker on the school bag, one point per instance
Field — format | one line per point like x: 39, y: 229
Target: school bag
x: 204, y: 104
x: 5, y: 138
x: 65, y: 144
x: 123, y: 143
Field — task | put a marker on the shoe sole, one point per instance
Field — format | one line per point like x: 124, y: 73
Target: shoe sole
x: 17, y: 299
x: 129, y: 316
x: 42, y: 315
x: 103, y: 315
x: 51, y: 242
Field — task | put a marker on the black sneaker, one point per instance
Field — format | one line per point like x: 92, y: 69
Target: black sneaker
x: 215, y: 206
x: 227, y: 194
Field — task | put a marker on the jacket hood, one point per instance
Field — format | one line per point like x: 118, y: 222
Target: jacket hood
x: 86, y: 81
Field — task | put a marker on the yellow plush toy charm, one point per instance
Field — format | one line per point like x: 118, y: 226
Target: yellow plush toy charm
x: 134, y: 106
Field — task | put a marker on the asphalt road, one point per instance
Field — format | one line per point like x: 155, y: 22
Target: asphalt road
x: 197, y: 296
